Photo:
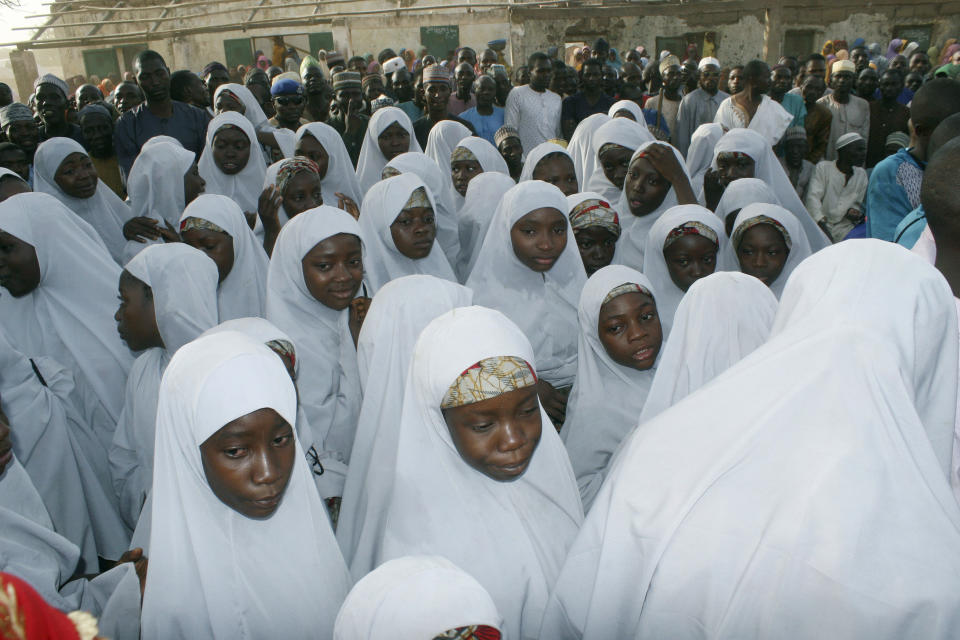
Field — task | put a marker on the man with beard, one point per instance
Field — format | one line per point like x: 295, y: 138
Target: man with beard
x: 348, y: 118
x: 589, y: 100
x: 534, y: 110
x: 463, y: 99
x: 126, y: 96
x: 96, y: 123
x: 886, y: 116
x: 436, y: 88
x: 700, y: 105
x: 402, y: 81
x: 186, y: 86
x: 51, y: 95
x: 850, y: 113
x: 159, y: 115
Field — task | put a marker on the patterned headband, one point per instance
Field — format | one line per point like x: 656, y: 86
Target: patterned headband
x: 201, y: 224
x: 691, y: 228
x: 418, y: 199
x: 291, y: 167
x: 487, y: 379
x: 595, y: 213
x: 284, y: 349
x: 752, y: 222
x: 462, y: 154
x: 626, y: 287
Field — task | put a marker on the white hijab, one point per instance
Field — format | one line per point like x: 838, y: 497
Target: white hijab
x: 214, y: 572
x: 770, y: 171
x: 372, y: 161
x: 243, y: 187
x: 243, y: 292
x: 628, y: 105
x: 543, y: 305
x: 104, y: 210
x: 742, y: 192
x: 510, y: 536
x: 328, y: 377
x: 383, y: 262
x: 700, y: 153
x: 655, y: 264
x: 635, y: 229
x: 414, y: 597
x: 799, y: 247
x: 620, y: 131
x: 487, y: 156
x: 722, y: 318
x: 397, y: 315
x: 69, y: 316
x: 340, y: 176
x: 483, y: 196
x: 444, y: 137
x: 537, y: 154
x: 830, y: 439
x: 254, y: 113
x: 155, y: 184
x: 607, y: 398
x: 580, y: 146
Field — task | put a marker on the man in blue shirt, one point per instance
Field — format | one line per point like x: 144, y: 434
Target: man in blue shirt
x: 486, y: 117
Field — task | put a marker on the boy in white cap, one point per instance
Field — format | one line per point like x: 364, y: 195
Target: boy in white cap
x: 700, y: 105
x: 838, y: 188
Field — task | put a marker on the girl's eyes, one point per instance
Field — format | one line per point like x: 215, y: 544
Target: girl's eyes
x: 615, y: 328
x: 531, y: 410
x: 234, y: 452
x: 647, y: 317
x: 480, y: 428
x: 357, y: 262
x: 283, y: 440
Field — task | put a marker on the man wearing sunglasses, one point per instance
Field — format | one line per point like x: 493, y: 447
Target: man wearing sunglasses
x: 289, y: 103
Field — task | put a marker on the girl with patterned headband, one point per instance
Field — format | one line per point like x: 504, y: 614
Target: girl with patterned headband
x: 768, y: 243
x: 596, y: 226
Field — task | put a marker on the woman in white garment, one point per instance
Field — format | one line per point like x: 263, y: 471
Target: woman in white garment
x: 529, y: 268
x: 553, y: 164
x: 722, y: 318
x: 227, y: 164
x: 700, y: 154
x: 321, y: 143
x: 241, y: 544
x: 168, y: 297
x: 216, y: 225
x: 472, y: 157
x: 739, y: 194
x: 397, y: 315
x: 443, y: 138
x: 389, y: 133
x: 767, y: 243
x: 271, y: 140
x: 483, y: 197
x: 627, y: 109
x: 618, y: 348
x: 581, y: 145
x: 613, y: 146
x: 499, y: 499
x: 418, y: 597
x: 398, y: 221
x: 63, y: 169
x: 775, y: 496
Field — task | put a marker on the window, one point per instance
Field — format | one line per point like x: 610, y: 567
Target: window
x: 799, y: 44
x: 919, y: 34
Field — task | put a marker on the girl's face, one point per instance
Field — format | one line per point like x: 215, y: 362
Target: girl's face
x: 225, y: 102
x: 413, y: 232
x: 217, y: 245
x: 248, y: 462
x: 733, y: 166
x: 615, y: 162
x: 10, y: 186
x: 557, y: 169
x: 333, y: 270
x: 19, y: 268
x: 393, y: 141
x: 462, y: 172
x: 690, y: 258
x: 629, y: 330
x: 539, y: 238
x: 302, y: 193
x: 231, y: 150
x: 193, y: 184
x: 497, y: 436
x: 310, y: 147
x: 136, y: 320
x: 77, y: 176
x: 645, y: 187
x: 596, y: 246
x: 762, y: 253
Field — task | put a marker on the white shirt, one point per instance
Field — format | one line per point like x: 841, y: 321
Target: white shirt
x: 535, y: 115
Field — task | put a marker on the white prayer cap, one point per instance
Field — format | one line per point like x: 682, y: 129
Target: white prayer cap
x: 393, y: 64
x: 704, y: 62
x: 848, y: 138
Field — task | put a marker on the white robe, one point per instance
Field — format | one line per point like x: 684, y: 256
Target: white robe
x: 770, y: 120
x: 483, y: 196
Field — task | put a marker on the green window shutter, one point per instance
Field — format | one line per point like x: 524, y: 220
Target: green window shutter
x: 238, y: 51
x: 100, y: 62
x: 440, y: 40
x: 322, y: 40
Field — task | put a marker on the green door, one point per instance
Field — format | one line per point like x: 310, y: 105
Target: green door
x: 100, y: 62
x: 322, y: 40
x: 440, y: 40
x: 238, y: 51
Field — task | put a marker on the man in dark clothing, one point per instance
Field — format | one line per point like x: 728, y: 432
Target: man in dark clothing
x: 346, y: 114
x: 589, y: 100
x: 186, y: 86
x: 51, y: 96
x: 436, y: 88
x: 886, y: 116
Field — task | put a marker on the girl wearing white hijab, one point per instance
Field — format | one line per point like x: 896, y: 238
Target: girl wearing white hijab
x: 418, y: 597
x: 609, y: 394
x: 687, y: 243
x: 329, y: 385
x: 372, y: 159
x: 472, y: 157
x: 700, y: 153
x: 483, y: 197
x: 91, y: 199
x: 739, y: 194
x: 768, y: 243
x: 722, y: 318
x: 241, y: 260
x: 225, y: 565
x: 241, y: 100
x: 183, y: 290
x: 443, y: 138
x: 244, y: 183
x: 507, y: 526
x: 397, y: 315
x: 333, y: 161
x: 542, y: 302
x: 772, y: 501
x: 619, y: 137
x: 535, y: 168
x: 580, y: 146
x: 398, y: 223
x: 630, y: 107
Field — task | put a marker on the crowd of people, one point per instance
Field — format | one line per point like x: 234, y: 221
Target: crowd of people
x: 590, y: 347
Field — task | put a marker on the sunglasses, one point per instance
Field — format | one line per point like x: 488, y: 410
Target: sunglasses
x: 286, y: 100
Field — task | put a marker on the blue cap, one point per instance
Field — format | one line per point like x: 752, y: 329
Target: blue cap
x: 286, y: 87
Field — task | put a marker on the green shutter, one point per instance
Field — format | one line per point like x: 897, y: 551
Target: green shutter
x: 322, y: 40
x: 100, y: 62
x: 440, y: 40
x: 238, y: 51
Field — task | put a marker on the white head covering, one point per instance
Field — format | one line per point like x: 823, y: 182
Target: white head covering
x: 607, y: 397
x: 722, y: 318
x: 372, y: 161
x: 707, y: 61
x: 158, y: 139
x: 397, y: 315
x: 769, y: 170
x: 510, y: 536
x: 243, y: 292
x: 483, y: 195
x: 700, y: 153
x: 580, y: 146
x: 655, y: 265
x: 105, y: 211
x: 215, y: 572
x: 383, y: 262
x: 799, y: 246
x: 633, y: 238
x: 444, y: 137
x: 340, y: 176
x: 742, y: 192
x: 414, y: 597
x: 632, y: 107
x: 69, y: 316
x: 252, y: 109
x: 155, y: 184
x: 244, y: 187
x: 620, y: 131
x: 537, y: 154
x: 328, y: 377
x: 542, y: 304
x: 487, y: 156
x: 7, y: 172
x: 778, y: 493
